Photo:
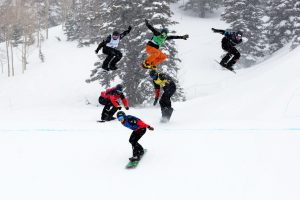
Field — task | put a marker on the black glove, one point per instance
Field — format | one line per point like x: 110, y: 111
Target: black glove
x: 150, y: 128
x: 127, y: 108
x: 185, y: 37
x: 129, y: 28
x: 146, y: 21
x: 119, y: 107
x: 214, y: 30
x: 155, y: 101
x: 96, y: 51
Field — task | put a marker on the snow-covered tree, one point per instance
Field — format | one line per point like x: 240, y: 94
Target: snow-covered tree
x: 284, y: 23
x: 246, y: 16
x: 119, y: 14
x: 296, y: 24
x: 202, y: 7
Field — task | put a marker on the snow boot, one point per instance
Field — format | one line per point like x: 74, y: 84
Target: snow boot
x: 134, y: 158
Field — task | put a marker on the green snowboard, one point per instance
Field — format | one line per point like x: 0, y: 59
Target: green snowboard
x: 134, y: 164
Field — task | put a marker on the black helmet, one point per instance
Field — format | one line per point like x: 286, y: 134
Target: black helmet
x: 119, y: 88
x: 239, y: 33
x: 121, y: 115
x: 116, y: 33
x: 153, y: 74
x: 164, y: 30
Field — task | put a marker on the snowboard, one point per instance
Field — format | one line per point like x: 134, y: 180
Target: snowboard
x: 225, y: 67
x: 134, y: 164
x: 149, y: 66
x: 102, y: 121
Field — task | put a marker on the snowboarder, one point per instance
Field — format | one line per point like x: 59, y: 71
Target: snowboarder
x: 109, y: 48
x: 139, y: 129
x: 229, y: 41
x: 169, y: 87
x: 109, y: 99
x: 152, y: 48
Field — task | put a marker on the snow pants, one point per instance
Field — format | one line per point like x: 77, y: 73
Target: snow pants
x: 165, y: 99
x: 155, y: 56
x: 113, y: 57
x: 137, y: 149
x: 109, y: 109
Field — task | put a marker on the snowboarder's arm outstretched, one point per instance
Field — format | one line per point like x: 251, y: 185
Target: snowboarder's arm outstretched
x: 125, y: 32
x: 171, y: 37
x: 218, y: 31
x: 103, y: 43
x: 154, y: 31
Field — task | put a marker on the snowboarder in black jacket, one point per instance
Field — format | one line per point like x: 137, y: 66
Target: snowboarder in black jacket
x: 109, y: 46
x: 229, y: 41
x: 169, y: 87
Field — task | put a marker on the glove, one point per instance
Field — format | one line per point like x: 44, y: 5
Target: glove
x: 129, y: 28
x: 119, y: 107
x: 127, y: 108
x: 96, y: 51
x: 185, y: 37
x: 214, y: 30
x: 150, y: 128
x: 146, y: 21
x: 155, y: 101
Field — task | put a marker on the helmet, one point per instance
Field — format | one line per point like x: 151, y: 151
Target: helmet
x: 121, y: 115
x: 164, y: 30
x: 119, y: 88
x: 153, y: 74
x: 239, y: 33
x: 116, y: 33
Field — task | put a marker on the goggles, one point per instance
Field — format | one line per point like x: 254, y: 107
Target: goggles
x: 120, y: 118
x: 164, y: 34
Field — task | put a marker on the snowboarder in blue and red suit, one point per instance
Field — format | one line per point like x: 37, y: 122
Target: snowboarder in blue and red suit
x: 139, y: 129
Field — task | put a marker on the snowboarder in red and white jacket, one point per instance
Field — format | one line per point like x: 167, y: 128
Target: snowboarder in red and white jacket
x: 109, y: 98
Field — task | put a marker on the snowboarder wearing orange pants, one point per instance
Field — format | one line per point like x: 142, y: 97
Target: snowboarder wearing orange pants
x: 159, y: 38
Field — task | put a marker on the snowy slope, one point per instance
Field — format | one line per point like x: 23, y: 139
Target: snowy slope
x: 237, y: 136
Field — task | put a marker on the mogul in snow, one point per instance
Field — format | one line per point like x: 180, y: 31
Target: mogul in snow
x: 109, y: 98
x: 109, y: 46
x: 169, y: 87
x: 229, y: 41
x: 159, y: 38
x: 139, y: 129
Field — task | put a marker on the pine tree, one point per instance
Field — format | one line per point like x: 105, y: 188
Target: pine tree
x: 119, y: 14
x: 246, y: 16
x: 283, y: 23
x: 296, y: 24
x: 202, y: 7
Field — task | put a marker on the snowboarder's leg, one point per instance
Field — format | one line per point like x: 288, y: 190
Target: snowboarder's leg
x: 153, y: 54
x: 110, y: 55
x: 105, y: 112
x: 236, y: 55
x: 159, y: 59
x: 165, y: 100
x: 116, y: 59
x: 225, y: 59
x: 136, y: 147
x: 111, y: 113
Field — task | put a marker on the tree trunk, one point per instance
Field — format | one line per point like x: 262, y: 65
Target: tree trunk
x: 7, y: 55
x: 12, y: 60
x: 47, y: 18
x: 24, y: 54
